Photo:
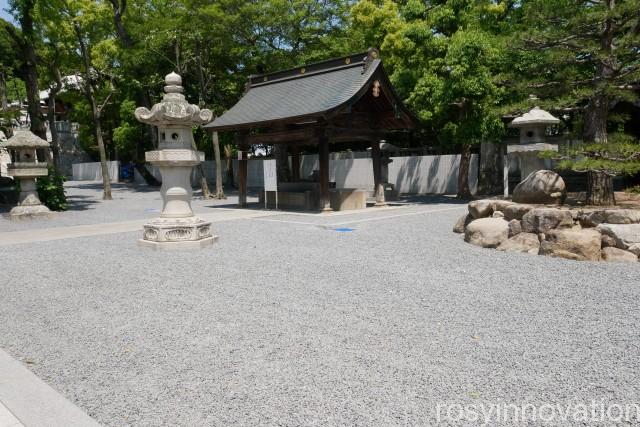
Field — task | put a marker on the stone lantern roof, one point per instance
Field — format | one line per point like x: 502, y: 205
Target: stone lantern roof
x: 536, y: 116
x: 174, y: 109
x: 23, y: 138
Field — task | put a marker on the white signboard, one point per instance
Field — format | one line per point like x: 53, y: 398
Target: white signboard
x: 270, y: 175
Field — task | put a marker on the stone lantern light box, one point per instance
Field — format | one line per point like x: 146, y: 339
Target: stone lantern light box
x: 28, y: 161
x: 533, y: 126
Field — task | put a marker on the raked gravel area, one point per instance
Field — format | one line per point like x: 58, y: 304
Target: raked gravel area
x: 286, y: 321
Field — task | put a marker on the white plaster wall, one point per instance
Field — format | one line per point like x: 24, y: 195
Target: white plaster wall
x: 93, y: 172
x: 430, y: 174
x: 411, y: 175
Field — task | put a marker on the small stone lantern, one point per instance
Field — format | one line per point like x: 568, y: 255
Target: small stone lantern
x: 177, y: 227
x: 532, y: 127
x: 28, y: 161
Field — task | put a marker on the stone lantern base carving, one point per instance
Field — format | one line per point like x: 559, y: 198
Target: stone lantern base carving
x: 180, y: 233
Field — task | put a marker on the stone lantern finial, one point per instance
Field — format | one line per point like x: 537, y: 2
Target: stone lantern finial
x: 177, y: 226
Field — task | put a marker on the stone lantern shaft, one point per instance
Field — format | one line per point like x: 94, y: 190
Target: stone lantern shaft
x: 177, y: 226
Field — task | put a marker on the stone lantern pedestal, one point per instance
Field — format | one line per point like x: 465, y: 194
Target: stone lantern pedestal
x: 27, y: 163
x: 177, y: 227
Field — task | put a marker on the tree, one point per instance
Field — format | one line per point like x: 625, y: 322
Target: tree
x: 583, y: 56
x: 443, y: 56
x: 84, y: 25
x: 25, y: 42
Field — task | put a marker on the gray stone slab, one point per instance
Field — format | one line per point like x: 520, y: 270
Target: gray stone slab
x: 34, y: 403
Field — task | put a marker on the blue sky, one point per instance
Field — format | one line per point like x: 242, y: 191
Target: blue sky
x: 4, y: 15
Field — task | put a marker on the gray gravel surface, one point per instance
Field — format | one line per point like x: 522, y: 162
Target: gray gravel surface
x: 295, y: 324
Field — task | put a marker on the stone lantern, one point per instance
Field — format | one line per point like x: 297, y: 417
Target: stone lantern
x: 177, y: 226
x: 28, y: 161
x: 532, y: 127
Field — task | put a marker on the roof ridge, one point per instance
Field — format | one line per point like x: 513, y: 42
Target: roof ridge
x: 353, y: 60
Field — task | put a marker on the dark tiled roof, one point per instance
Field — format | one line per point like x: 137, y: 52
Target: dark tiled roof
x: 301, y: 92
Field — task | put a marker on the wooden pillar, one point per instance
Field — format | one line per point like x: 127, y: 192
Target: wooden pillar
x: 295, y: 162
x: 323, y: 146
x: 378, y: 185
x: 243, y: 150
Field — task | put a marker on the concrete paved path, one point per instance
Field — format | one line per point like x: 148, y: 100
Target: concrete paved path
x: 58, y: 233
x: 27, y: 401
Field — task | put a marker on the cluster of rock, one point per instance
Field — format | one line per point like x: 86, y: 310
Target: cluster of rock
x: 577, y: 234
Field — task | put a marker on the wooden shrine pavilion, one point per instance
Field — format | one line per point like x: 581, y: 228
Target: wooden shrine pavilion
x: 344, y: 100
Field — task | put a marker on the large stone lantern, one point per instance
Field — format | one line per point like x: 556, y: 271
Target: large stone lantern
x: 28, y: 161
x: 177, y: 226
x: 532, y: 127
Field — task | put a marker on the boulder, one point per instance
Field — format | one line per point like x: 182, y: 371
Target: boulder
x: 462, y: 223
x: 501, y: 205
x: 481, y: 208
x: 487, y: 232
x: 541, y: 220
x: 634, y: 249
x: 626, y: 236
x: 618, y: 255
x: 541, y: 186
x: 608, y: 241
x: 515, y: 227
x: 610, y: 216
x: 516, y: 211
x: 497, y: 214
x: 523, y: 242
x: 580, y: 245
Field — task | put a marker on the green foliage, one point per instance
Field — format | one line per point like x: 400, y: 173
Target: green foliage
x: 620, y: 156
x: 51, y: 190
x: 633, y: 190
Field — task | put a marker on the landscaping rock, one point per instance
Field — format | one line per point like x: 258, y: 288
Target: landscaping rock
x: 462, y: 223
x: 497, y: 214
x: 516, y: 211
x: 501, y: 205
x: 523, y: 242
x: 541, y: 220
x: 542, y: 186
x: 481, y: 208
x: 515, y: 227
x: 487, y: 232
x: 579, y: 245
x: 610, y: 216
x: 618, y: 255
x: 607, y: 241
x: 626, y: 236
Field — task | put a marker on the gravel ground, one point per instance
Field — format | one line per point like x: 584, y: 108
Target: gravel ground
x: 284, y: 323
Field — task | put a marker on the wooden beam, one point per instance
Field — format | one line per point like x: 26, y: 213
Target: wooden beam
x: 243, y: 151
x: 282, y: 136
x: 378, y: 186
x: 325, y: 202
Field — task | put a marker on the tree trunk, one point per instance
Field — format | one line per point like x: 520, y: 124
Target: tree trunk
x: 204, y: 186
x: 3, y: 91
x: 216, y: 154
x: 95, y: 111
x: 228, y: 155
x: 600, y: 189
x: 106, y: 180
x: 595, y: 120
x: 55, y: 139
x: 464, y: 192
